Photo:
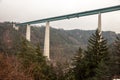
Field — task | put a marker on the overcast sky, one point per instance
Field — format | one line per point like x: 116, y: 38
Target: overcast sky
x: 28, y: 10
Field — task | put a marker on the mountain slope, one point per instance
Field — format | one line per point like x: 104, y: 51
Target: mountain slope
x: 63, y: 43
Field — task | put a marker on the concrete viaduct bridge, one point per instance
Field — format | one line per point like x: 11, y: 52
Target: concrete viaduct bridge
x: 69, y: 16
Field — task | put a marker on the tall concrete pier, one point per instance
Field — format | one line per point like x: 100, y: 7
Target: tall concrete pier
x: 28, y: 32
x: 47, y: 41
x: 99, y: 22
x: 99, y: 26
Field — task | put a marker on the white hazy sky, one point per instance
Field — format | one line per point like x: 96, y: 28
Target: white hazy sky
x: 28, y: 10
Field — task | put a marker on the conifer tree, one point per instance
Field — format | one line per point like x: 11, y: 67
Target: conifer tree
x: 34, y: 63
x: 93, y: 66
x: 31, y: 60
x: 117, y: 55
x: 41, y: 70
x: 97, y: 57
x: 78, y: 71
x: 39, y: 64
x: 26, y: 54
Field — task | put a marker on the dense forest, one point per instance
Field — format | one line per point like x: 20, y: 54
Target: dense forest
x: 75, y: 54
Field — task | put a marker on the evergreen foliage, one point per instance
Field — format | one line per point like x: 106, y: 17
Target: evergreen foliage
x: 34, y: 63
x: 26, y: 54
x: 97, y: 56
x: 30, y: 64
x: 78, y: 65
x: 62, y: 41
x: 94, y: 64
x: 117, y: 55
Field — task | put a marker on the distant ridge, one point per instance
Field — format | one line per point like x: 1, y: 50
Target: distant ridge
x: 64, y: 43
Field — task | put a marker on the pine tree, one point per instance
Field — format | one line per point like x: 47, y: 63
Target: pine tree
x: 26, y: 54
x: 30, y: 60
x: 41, y: 70
x: 78, y: 67
x: 117, y: 55
x: 97, y: 57
x: 34, y: 63
x: 39, y: 64
x: 93, y: 66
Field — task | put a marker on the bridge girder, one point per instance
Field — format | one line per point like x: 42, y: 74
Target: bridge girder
x: 74, y: 15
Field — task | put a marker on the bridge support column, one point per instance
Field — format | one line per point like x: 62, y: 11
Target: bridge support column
x: 99, y: 26
x: 28, y: 32
x: 99, y: 23
x: 46, y: 41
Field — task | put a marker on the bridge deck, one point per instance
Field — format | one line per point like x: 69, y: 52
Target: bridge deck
x: 80, y: 14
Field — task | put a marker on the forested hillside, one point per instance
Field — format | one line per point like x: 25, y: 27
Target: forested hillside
x: 75, y: 54
x: 63, y: 43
